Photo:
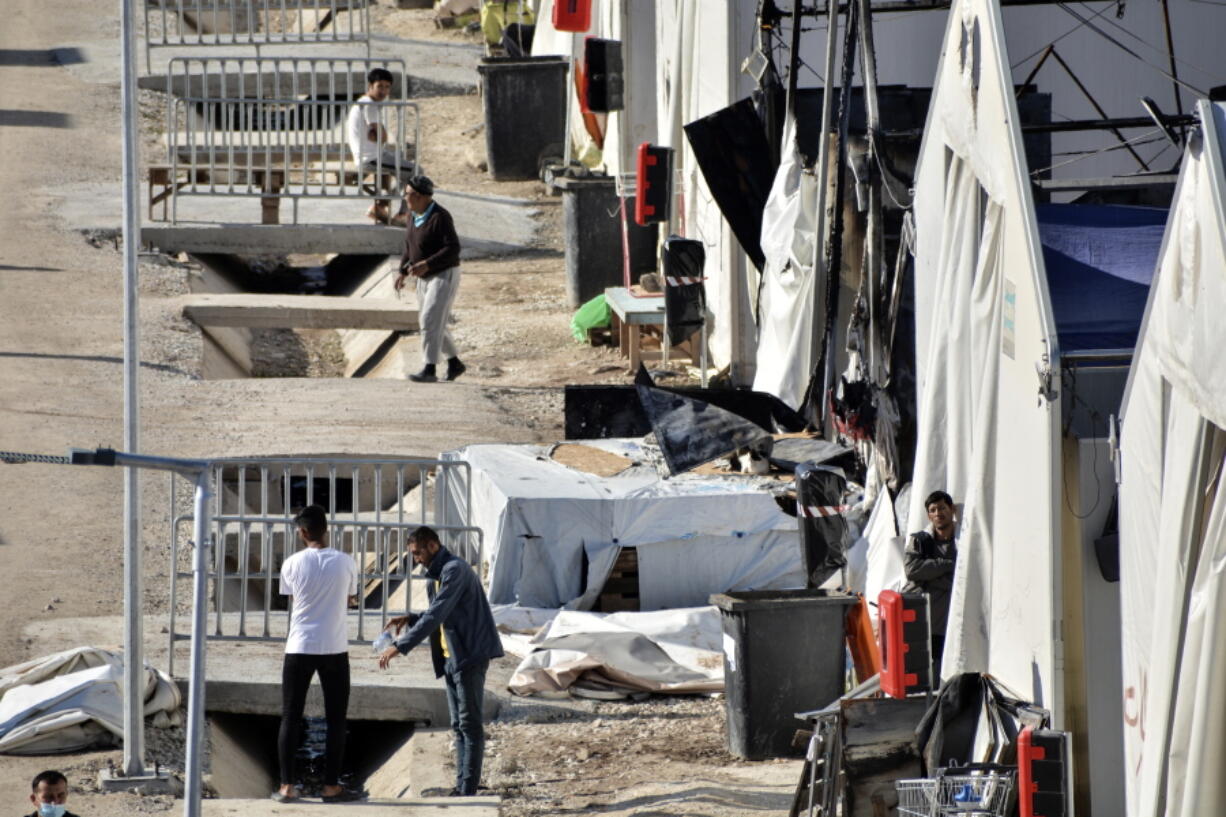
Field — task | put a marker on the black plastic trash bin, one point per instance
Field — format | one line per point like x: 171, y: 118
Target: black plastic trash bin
x: 525, y: 113
x: 591, y: 215
x: 783, y: 654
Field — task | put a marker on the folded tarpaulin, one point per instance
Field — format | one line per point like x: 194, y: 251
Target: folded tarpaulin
x: 671, y: 651
x: 73, y: 700
x: 1100, y: 261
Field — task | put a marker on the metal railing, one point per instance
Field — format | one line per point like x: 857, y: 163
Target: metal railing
x: 371, y: 514
x: 276, y: 148
x: 254, y: 23
x: 331, y: 78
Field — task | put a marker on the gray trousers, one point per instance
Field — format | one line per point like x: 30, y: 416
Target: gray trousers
x: 435, y: 295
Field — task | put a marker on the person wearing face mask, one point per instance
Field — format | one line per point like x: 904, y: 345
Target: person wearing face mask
x: 48, y: 793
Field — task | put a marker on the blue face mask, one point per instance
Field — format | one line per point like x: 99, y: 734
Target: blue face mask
x: 50, y: 810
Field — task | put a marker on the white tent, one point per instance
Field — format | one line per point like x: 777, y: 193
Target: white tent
x: 1013, y: 399
x: 984, y: 328
x: 1172, y: 511
x: 694, y: 535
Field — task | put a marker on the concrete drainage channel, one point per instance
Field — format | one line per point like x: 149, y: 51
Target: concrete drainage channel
x: 272, y: 319
x: 243, y: 754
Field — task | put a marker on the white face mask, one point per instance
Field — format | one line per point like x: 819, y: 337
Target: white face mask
x: 51, y: 810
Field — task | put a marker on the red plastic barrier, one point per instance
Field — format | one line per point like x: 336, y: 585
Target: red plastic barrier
x: 572, y: 15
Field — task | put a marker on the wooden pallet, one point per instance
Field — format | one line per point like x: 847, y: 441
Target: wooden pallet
x: 621, y: 589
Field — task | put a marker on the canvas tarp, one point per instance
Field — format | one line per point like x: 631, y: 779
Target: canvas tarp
x: 787, y: 329
x: 987, y: 430
x: 695, y: 535
x: 73, y: 700
x: 675, y: 651
x: 1172, y: 508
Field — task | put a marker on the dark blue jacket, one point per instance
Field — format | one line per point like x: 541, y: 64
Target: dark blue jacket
x: 459, y: 606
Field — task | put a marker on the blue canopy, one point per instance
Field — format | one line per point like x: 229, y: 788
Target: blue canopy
x: 1100, y: 260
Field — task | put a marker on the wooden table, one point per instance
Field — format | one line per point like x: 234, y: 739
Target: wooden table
x: 630, y: 315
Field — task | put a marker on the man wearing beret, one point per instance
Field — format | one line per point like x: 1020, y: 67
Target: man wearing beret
x: 432, y: 256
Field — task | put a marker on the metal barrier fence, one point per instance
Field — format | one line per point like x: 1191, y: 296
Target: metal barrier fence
x: 327, y: 78
x: 254, y: 23
x: 371, y: 513
x: 275, y: 149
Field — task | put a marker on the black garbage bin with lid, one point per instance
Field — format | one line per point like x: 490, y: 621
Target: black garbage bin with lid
x: 783, y: 654
x: 525, y: 113
x: 591, y: 214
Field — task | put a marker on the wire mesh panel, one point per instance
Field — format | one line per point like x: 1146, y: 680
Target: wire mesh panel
x: 255, y: 22
x: 373, y: 506
x: 984, y: 794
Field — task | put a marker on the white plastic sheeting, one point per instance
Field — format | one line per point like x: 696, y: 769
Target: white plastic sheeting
x: 1172, y: 508
x: 695, y: 535
x: 787, y: 326
x: 72, y: 700
x: 675, y: 651
x: 984, y: 337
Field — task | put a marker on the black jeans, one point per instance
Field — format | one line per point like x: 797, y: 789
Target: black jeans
x: 296, y: 675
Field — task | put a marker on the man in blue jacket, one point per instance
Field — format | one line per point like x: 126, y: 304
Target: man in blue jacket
x: 463, y: 639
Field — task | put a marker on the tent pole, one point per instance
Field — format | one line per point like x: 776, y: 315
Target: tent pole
x: 823, y: 175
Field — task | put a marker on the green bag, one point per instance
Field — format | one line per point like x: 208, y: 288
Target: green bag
x: 592, y: 315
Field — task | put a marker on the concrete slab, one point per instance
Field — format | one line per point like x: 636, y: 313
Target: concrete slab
x: 299, y: 312
x: 310, y: 807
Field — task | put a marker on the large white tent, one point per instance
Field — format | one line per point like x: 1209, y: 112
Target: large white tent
x: 986, y: 342
x: 1172, y: 510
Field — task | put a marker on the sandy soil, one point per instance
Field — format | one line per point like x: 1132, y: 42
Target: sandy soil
x: 60, y: 385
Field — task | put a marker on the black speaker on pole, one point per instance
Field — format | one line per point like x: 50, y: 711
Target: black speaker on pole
x: 606, y: 80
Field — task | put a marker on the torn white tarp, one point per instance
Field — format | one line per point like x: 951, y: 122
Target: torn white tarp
x: 1173, y: 507
x: 676, y: 651
x: 694, y: 535
x: 787, y: 331
x: 73, y: 700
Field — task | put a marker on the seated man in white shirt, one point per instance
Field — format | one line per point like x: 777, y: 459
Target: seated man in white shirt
x: 320, y: 582
x: 367, y: 143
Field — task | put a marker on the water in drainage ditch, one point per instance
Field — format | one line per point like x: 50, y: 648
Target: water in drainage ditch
x: 310, y: 759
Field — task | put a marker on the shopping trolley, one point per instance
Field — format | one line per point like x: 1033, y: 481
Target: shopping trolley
x: 957, y: 792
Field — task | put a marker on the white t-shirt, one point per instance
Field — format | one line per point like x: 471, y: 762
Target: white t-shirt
x: 321, y: 580
x: 362, y: 114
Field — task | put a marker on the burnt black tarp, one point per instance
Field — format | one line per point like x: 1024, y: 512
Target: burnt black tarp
x: 685, y: 297
x: 691, y: 431
x: 823, y: 528
x: 790, y: 452
x: 733, y: 154
x: 601, y: 412
x: 948, y: 731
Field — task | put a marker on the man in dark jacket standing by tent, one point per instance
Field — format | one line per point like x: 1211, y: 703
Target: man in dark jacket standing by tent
x: 432, y: 258
x: 929, y: 561
x: 463, y: 639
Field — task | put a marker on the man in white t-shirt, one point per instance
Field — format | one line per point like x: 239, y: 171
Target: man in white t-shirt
x: 367, y: 143
x: 320, y: 582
